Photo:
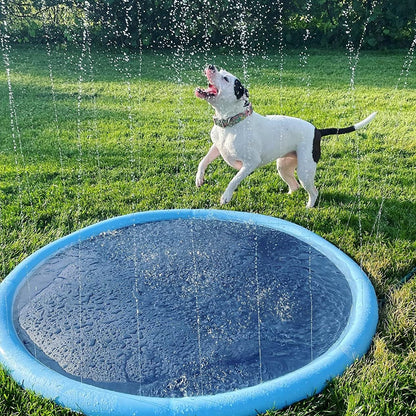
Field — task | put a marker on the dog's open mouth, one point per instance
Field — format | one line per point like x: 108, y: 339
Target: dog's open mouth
x: 210, y: 92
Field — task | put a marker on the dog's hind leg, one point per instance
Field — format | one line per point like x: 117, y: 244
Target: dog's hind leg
x: 286, y: 166
x: 306, y: 173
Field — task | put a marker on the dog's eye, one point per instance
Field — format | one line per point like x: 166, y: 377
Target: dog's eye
x: 226, y: 79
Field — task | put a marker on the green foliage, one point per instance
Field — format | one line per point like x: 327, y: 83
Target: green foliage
x: 255, y: 25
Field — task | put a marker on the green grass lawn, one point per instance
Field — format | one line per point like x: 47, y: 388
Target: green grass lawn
x: 88, y: 137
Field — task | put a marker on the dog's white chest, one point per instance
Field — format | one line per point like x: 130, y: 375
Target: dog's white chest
x: 232, y: 145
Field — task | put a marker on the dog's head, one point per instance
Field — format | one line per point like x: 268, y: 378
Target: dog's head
x: 225, y: 91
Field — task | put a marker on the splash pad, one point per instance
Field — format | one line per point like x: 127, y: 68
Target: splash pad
x: 184, y: 312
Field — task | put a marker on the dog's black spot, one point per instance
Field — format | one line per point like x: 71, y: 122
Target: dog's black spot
x: 316, y: 148
x: 239, y: 89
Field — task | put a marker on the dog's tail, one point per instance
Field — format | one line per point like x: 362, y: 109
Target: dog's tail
x: 361, y: 124
x: 316, y: 151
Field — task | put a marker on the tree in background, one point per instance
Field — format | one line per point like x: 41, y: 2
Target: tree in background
x: 201, y: 23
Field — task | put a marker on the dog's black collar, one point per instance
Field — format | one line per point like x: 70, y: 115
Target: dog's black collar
x: 232, y: 121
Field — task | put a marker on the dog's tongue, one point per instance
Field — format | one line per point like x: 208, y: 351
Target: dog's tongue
x: 211, y: 89
x: 210, y: 92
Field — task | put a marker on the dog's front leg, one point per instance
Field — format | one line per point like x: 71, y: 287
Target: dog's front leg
x: 212, y: 154
x: 232, y: 186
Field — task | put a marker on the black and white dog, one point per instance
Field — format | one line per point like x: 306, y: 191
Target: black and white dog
x: 247, y: 140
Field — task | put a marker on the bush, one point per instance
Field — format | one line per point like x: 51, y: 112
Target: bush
x: 254, y: 25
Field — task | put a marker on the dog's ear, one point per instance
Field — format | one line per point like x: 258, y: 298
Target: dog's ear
x: 239, y: 89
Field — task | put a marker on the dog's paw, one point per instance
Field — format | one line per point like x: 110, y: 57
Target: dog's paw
x: 199, y: 180
x: 225, y: 199
x: 293, y: 189
x: 312, y: 199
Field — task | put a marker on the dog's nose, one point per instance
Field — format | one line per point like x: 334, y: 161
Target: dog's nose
x: 212, y: 68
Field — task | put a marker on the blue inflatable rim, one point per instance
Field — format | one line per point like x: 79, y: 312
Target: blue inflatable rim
x: 274, y: 394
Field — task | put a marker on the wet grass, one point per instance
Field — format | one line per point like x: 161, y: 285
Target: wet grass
x: 115, y: 137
